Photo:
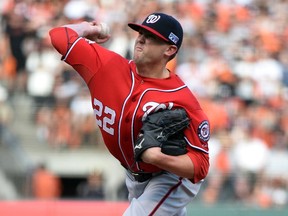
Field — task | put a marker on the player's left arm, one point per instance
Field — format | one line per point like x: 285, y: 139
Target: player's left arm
x: 194, y: 168
x: 194, y: 164
x: 180, y: 165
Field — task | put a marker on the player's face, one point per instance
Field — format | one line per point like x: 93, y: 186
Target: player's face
x: 148, y: 49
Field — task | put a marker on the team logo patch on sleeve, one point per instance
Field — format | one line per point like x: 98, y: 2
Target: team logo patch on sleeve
x: 204, y: 131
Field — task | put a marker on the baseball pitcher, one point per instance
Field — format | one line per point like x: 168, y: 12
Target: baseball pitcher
x: 149, y: 119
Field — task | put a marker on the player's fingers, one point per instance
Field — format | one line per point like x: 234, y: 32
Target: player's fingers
x: 103, y: 40
x: 94, y: 23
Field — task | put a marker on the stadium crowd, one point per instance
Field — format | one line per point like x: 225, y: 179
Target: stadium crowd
x: 234, y: 58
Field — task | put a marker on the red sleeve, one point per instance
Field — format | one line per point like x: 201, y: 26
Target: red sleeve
x: 76, y: 51
x: 201, y: 164
x: 62, y: 39
x: 85, y: 56
x: 197, y: 137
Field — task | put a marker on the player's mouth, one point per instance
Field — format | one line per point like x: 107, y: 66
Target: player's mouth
x: 138, y: 48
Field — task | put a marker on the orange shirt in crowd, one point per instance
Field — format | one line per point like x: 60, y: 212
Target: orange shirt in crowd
x: 45, y: 185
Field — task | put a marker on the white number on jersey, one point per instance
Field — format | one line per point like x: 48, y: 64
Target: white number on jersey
x: 108, y: 119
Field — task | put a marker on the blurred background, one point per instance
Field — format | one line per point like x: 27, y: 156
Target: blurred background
x: 234, y: 58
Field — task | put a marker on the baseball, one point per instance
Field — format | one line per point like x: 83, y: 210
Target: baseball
x: 105, y: 31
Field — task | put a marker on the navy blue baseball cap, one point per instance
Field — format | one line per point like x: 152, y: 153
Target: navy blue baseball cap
x: 162, y: 25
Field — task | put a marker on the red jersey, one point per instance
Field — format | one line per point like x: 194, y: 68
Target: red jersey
x: 121, y: 99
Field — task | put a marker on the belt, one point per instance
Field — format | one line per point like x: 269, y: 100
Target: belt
x: 142, y: 177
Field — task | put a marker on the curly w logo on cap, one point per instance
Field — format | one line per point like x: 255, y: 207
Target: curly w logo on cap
x: 152, y: 18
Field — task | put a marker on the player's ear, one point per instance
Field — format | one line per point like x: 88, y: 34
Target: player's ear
x: 171, y: 50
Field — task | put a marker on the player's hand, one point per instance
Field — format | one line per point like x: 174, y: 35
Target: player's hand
x: 98, y: 32
x: 163, y: 129
x: 95, y: 31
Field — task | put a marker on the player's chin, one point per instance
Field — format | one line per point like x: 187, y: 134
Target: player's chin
x: 136, y: 57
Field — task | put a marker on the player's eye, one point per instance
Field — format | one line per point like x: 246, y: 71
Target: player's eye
x: 149, y: 36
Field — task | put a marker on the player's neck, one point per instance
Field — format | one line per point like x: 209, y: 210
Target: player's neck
x: 158, y: 73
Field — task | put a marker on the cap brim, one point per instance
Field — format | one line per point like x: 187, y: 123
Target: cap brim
x: 137, y: 27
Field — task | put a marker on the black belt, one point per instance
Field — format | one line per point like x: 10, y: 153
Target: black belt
x: 142, y: 177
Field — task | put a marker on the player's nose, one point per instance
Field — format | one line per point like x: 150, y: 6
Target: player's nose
x: 141, y: 38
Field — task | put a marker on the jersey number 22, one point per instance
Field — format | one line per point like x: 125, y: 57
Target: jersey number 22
x: 106, y: 114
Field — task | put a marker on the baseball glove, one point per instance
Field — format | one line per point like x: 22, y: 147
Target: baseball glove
x: 165, y: 130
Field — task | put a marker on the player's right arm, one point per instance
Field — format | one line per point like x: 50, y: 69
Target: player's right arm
x: 84, y: 55
x: 68, y: 34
